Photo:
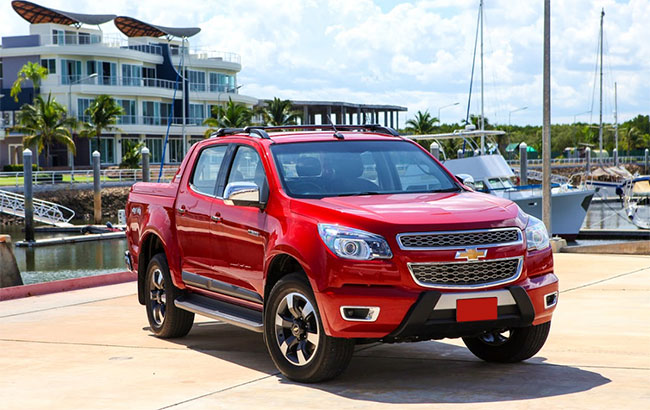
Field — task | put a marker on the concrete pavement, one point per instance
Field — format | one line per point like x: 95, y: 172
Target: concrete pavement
x: 91, y: 349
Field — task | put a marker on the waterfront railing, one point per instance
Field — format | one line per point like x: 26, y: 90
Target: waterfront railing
x: 107, y: 176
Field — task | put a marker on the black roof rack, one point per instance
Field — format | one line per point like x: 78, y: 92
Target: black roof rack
x: 261, y: 131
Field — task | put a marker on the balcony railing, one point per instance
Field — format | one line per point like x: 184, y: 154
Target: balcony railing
x: 144, y: 82
x: 108, y: 40
x: 206, y: 54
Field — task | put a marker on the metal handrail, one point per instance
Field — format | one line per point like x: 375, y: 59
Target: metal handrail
x: 44, y: 211
x: 85, y: 176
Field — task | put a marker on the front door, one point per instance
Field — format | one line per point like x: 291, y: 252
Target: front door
x: 244, y: 232
x: 194, y: 223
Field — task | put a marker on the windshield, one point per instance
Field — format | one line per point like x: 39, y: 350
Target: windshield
x: 341, y: 168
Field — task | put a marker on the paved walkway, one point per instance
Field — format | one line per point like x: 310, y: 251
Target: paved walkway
x: 91, y: 349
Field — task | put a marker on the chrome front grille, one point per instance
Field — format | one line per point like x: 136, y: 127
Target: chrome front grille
x: 459, y: 239
x: 467, y: 275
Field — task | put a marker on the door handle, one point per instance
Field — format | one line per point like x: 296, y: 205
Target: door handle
x: 216, y: 218
x: 182, y: 210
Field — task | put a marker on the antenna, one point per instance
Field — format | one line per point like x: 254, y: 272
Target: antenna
x: 337, y: 134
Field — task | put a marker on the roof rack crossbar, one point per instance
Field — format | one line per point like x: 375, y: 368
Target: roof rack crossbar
x: 262, y: 131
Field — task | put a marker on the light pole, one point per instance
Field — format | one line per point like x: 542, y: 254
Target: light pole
x: 579, y: 114
x: 70, y: 155
x: 515, y: 110
x: 445, y: 106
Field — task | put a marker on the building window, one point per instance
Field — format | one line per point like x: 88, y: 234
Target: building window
x: 107, y: 151
x: 129, y: 112
x: 131, y: 74
x: 49, y: 63
x: 58, y: 37
x: 84, y: 38
x: 194, y: 140
x: 154, y: 144
x: 156, y: 113
x: 82, y: 106
x: 196, y: 114
x: 149, y: 75
x: 70, y: 71
x: 197, y: 80
x: 105, y: 70
x: 175, y: 150
x: 222, y: 82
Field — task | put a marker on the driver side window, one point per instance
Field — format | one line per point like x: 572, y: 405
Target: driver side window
x: 247, y: 167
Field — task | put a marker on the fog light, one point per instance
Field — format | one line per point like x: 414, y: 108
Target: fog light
x: 550, y: 300
x: 360, y: 313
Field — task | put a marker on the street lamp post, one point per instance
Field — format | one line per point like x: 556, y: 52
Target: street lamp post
x: 70, y: 155
x: 515, y: 110
x: 445, y: 106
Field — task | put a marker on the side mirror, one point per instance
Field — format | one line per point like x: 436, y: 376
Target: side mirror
x: 466, y: 179
x: 242, y: 194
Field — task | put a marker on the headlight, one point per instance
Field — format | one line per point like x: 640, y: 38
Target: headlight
x: 536, y: 234
x: 352, y: 243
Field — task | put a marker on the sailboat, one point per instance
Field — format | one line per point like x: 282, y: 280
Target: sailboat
x: 492, y: 174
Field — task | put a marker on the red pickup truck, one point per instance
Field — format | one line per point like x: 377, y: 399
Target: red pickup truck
x: 324, y: 238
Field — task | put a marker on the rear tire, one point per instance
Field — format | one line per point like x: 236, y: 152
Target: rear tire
x: 509, y: 346
x: 294, y: 336
x: 165, y: 319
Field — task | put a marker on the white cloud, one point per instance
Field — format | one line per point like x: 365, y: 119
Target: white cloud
x: 417, y: 54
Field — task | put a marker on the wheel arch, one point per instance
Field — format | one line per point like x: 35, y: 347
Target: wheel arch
x: 151, y: 245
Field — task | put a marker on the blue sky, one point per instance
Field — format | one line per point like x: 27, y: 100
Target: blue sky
x: 415, y: 54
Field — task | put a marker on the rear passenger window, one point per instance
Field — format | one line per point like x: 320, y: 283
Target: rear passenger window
x: 207, y: 168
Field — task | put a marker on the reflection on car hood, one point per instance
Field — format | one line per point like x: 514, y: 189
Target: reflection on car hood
x: 466, y: 210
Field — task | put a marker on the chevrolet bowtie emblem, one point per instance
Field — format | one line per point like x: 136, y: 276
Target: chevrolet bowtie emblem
x: 471, y: 254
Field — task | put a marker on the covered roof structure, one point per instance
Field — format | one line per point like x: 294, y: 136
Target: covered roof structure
x: 135, y: 28
x: 37, y: 14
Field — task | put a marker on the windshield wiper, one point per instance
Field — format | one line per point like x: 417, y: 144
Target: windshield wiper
x: 361, y: 193
x: 454, y: 189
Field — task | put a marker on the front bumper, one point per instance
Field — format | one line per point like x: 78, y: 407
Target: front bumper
x: 409, y: 316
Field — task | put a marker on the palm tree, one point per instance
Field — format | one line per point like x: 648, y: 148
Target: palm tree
x: 423, y: 123
x: 30, y: 71
x: 102, y: 114
x: 232, y: 115
x: 279, y: 112
x: 44, y: 123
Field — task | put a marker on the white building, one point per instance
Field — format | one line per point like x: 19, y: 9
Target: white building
x: 140, y: 70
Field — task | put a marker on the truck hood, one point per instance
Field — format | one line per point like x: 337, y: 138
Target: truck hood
x: 414, y: 212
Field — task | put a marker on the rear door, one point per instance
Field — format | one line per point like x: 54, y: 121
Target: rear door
x: 194, y: 217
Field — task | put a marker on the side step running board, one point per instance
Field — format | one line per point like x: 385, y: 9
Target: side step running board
x: 235, y: 315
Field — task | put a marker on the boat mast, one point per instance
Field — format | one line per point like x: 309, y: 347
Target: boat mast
x: 615, y: 119
x: 600, y: 125
x: 482, y: 101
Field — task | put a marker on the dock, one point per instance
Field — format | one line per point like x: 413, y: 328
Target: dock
x: 92, y: 348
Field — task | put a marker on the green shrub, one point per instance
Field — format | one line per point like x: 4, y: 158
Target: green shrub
x: 19, y: 168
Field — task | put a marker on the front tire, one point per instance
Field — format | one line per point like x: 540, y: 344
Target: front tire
x: 509, y: 346
x: 165, y: 319
x: 294, y: 335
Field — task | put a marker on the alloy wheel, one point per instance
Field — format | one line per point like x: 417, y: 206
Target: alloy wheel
x: 297, y: 329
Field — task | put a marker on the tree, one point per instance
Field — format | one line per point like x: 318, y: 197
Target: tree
x: 279, y: 112
x: 132, y: 155
x: 423, y: 123
x: 33, y: 72
x: 232, y: 115
x: 103, y: 114
x: 44, y: 123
